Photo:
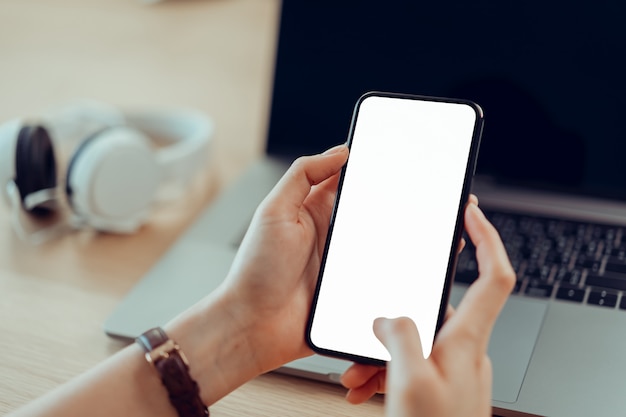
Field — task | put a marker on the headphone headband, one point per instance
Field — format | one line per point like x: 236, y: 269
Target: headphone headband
x: 187, y: 133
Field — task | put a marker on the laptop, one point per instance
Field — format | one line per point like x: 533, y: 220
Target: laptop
x: 550, y: 175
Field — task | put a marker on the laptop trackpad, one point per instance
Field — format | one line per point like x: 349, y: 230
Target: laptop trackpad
x: 512, y: 342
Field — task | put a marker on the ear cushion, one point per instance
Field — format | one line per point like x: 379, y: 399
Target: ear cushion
x: 112, y: 179
x: 35, y: 164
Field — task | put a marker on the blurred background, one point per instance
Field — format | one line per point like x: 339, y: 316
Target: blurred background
x: 214, y: 55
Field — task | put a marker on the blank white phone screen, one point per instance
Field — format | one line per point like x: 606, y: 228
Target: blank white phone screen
x: 394, y: 224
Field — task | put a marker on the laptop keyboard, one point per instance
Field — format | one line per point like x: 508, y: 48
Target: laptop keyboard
x: 579, y: 262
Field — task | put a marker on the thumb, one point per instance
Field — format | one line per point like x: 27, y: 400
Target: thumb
x: 402, y: 340
x: 305, y: 172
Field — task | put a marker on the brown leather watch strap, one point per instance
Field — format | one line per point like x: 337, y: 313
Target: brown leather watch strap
x: 170, y: 362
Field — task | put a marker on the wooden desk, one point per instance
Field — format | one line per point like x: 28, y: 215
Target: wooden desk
x: 215, y: 55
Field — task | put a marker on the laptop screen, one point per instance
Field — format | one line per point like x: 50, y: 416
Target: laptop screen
x: 549, y: 76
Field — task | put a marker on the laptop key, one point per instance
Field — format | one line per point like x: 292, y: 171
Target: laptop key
x: 602, y: 298
x: 570, y: 294
x: 614, y: 265
x: 614, y: 281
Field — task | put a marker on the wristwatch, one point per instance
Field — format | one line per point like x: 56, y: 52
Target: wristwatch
x: 171, y: 364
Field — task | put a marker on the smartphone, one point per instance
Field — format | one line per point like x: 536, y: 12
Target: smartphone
x: 397, y: 222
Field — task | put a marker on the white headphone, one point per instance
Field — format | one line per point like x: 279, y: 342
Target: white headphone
x: 114, y: 174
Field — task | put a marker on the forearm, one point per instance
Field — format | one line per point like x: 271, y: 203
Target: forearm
x: 121, y: 385
x: 220, y: 360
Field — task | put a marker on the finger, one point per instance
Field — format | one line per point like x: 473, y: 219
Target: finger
x: 471, y: 200
x: 461, y: 246
x: 358, y: 374
x: 449, y: 313
x: 485, y: 298
x: 323, y: 194
x: 401, y: 338
x: 329, y: 185
x: 306, y: 172
x: 374, y: 385
x: 319, y: 204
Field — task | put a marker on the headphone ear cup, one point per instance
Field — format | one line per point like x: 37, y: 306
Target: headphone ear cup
x: 112, y: 179
x: 35, y: 164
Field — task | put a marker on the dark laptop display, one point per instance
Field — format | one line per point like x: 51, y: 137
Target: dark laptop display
x: 549, y: 75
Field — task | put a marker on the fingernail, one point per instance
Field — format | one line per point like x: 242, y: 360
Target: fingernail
x: 380, y: 322
x: 477, y: 211
x: 335, y: 149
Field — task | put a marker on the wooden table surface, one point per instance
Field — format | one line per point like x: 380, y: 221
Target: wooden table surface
x: 214, y: 55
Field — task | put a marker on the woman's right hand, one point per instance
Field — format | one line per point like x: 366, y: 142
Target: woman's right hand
x: 456, y: 379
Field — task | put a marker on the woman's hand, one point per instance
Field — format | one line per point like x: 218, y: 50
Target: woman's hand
x: 273, y: 277
x: 456, y: 379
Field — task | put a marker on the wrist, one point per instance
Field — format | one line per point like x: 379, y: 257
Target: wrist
x: 217, y: 345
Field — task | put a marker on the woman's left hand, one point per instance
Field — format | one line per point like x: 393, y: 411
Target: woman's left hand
x: 275, y: 271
